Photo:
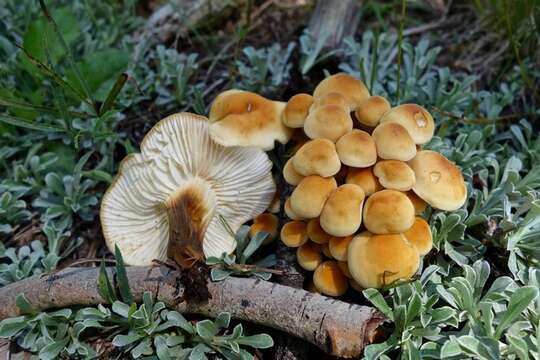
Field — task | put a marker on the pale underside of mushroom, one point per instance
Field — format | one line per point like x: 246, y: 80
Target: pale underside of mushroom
x: 177, y: 189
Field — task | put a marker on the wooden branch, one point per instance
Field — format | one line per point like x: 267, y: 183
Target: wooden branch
x: 338, y: 328
x: 334, y: 19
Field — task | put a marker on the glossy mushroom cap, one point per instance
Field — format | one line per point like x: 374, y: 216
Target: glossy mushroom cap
x: 242, y: 118
x: 388, y: 212
x: 352, y: 89
x: 308, y: 198
x: 438, y: 181
x: 332, y: 98
x: 365, y: 179
x: 415, y: 119
x: 379, y: 260
x: 289, y: 212
x: 338, y: 247
x: 394, y: 174
x: 419, y: 235
x: 309, y: 256
x: 294, y: 234
x: 329, y: 279
x: 393, y: 142
x: 317, y: 157
x: 167, y: 200
x: 291, y: 176
x: 265, y: 222
x: 316, y: 232
x: 370, y: 111
x: 328, y: 122
x: 296, y: 110
x: 357, y: 149
x: 342, y: 212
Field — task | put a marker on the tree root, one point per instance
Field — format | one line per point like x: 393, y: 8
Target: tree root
x: 338, y: 328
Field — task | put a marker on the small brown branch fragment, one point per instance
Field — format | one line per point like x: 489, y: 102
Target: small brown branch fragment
x: 338, y: 328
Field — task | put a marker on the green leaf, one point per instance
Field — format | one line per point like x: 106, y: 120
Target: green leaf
x: 242, y: 238
x: 22, y: 303
x: 178, y: 320
x: 375, y: 297
x: 481, y: 347
x: 113, y: 93
x: 206, y: 329
x: 12, y: 326
x: 222, y: 320
x: 54, y: 349
x: 123, y: 340
x: 198, y: 352
x: 519, y: 301
x: 253, y: 245
x: 260, y: 341
x: 121, y: 309
x: 121, y: 274
x: 105, y: 289
x: 518, y: 346
x: 219, y: 274
x: 27, y: 124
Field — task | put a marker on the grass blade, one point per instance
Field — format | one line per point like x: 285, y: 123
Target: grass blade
x: 27, y: 124
x: 121, y: 277
x: 113, y: 94
x: 105, y: 288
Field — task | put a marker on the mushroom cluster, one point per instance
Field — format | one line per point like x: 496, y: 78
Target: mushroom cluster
x: 361, y: 181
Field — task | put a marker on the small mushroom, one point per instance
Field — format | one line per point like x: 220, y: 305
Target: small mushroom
x: 289, y: 212
x: 296, y: 110
x: 294, y: 234
x: 352, y: 89
x: 291, y: 176
x: 365, y: 179
x: 342, y: 212
x: 265, y: 222
x: 419, y: 204
x: 332, y: 98
x: 415, y: 119
x: 316, y: 232
x: 317, y: 157
x: 329, y: 279
x: 326, y: 250
x: 308, y: 198
x: 438, y: 181
x: 242, y: 118
x: 393, y: 142
x: 370, y: 111
x: 357, y: 149
x: 309, y: 256
x: 419, y: 235
x: 328, y: 122
x: 167, y: 200
x: 388, y: 212
x: 379, y: 260
x: 338, y: 247
x: 394, y: 174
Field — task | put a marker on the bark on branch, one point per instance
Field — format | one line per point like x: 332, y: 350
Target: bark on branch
x: 338, y: 328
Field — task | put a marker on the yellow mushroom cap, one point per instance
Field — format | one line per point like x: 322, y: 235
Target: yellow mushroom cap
x: 379, y: 260
x: 326, y: 250
x: 316, y: 233
x: 388, y: 212
x: 342, y: 212
x: 370, y: 111
x: 393, y: 142
x: 294, y: 234
x: 338, y: 247
x: 352, y: 89
x: 265, y: 222
x: 394, y: 174
x: 290, y: 174
x: 438, y: 181
x: 242, y: 118
x: 309, y: 256
x: 419, y: 204
x: 417, y: 120
x: 328, y: 122
x: 332, y: 98
x: 365, y: 179
x: 344, y: 267
x: 357, y: 149
x: 329, y: 279
x: 289, y: 212
x: 296, y: 110
x: 308, y: 198
x: 317, y: 157
x: 419, y: 235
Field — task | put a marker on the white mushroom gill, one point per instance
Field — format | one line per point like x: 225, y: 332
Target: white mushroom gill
x: 175, y: 190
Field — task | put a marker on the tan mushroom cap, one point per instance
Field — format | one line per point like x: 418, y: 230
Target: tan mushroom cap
x: 289, y: 212
x: 317, y: 157
x: 357, y: 149
x: 326, y: 250
x: 338, y: 247
x: 419, y: 204
x: 309, y: 256
x: 352, y: 89
x: 438, y: 181
x: 344, y: 267
x: 393, y: 142
x: 265, y: 222
x: 329, y: 279
x: 394, y: 174
x: 296, y: 110
x: 242, y: 118
x: 294, y: 234
x: 379, y: 260
x: 388, y: 212
x: 332, y: 98
x: 316, y: 232
x: 290, y: 174
x: 365, y: 179
x: 370, y: 111
x: 328, y: 122
x: 417, y: 120
x: 342, y: 212
x: 308, y: 198
x: 419, y: 235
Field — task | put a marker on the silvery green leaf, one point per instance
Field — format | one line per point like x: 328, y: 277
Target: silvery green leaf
x: 253, y: 245
x: 223, y: 320
x: 162, y: 350
x: 242, y: 239
x: 11, y: 326
x: 178, y: 320
x: 123, y: 340
x: 198, y: 352
x: 375, y: 297
x: 121, y: 309
x: 212, y: 260
x: 413, y: 308
x: 518, y: 346
x: 376, y: 351
x: 519, y: 301
x: 206, y: 329
x: 143, y: 348
x: 54, y: 349
x: 481, y: 347
x: 260, y: 341
x: 24, y: 305
x: 219, y: 274
x: 450, y: 348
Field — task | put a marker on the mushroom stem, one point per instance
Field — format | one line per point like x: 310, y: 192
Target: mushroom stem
x: 339, y: 328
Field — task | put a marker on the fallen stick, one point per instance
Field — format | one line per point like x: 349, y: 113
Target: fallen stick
x: 338, y: 328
